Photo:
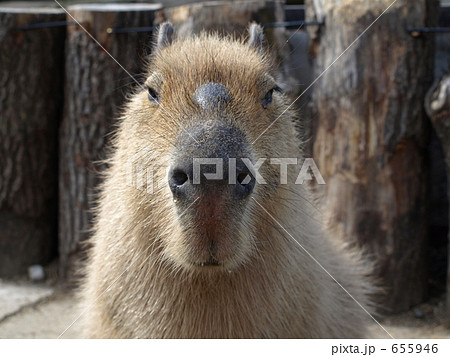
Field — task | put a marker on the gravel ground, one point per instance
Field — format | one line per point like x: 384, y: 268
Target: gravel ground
x: 49, y: 318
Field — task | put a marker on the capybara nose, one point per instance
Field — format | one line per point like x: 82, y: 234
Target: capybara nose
x: 211, y: 158
x: 183, y: 184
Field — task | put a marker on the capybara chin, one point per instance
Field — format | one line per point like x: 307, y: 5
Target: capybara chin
x: 190, y: 249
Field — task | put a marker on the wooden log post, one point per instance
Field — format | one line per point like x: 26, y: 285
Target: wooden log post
x: 234, y: 17
x: 437, y: 104
x: 96, y: 85
x: 370, y: 134
x: 31, y: 73
x: 226, y: 17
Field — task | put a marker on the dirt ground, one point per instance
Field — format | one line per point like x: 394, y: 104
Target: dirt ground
x: 51, y: 317
x: 46, y: 319
x: 427, y: 320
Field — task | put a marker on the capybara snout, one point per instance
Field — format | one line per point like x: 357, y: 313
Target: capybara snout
x: 210, y: 159
x: 211, y: 181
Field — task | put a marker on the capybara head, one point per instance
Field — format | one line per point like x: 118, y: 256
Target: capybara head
x: 210, y: 112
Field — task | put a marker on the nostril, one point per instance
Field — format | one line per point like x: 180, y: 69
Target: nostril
x: 243, y: 178
x: 245, y: 184
x: 179, y: 178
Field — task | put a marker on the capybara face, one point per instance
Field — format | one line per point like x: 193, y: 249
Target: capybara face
x: 204, y: 122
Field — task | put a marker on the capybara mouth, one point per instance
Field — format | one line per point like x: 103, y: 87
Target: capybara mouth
x: 211, y: 254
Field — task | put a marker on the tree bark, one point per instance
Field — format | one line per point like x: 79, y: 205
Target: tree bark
x: 234, y: 17
x: 370, y: 134
x: 95, y: 88
x: 31, y: 73
x: 226, y: 17
x: 437, y: 104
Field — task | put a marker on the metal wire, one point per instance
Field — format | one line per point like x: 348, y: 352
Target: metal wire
x: 294, y: 24
x: 112, y: 30
x: 415, y: 32
x: 43, y: 25
x: 130, y: 29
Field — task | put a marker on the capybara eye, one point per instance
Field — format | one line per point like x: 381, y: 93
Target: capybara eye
x: 267, y: 98
x: 153, y: 95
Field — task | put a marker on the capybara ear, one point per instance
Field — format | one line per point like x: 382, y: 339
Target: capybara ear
x: 164, y: 35
x: 256, y: 39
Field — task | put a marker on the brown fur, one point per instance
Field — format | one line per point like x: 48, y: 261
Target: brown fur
x: 269, y: 287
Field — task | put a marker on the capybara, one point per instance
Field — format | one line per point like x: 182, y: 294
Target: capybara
x: 186, y: 247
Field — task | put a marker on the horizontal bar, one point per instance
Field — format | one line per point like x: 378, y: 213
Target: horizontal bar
x: 291, y: 11
x: 268, y: 25
x: 131, y: 29
x: 294, y: 24
x: 417, y: 31
x: 42, y: 25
